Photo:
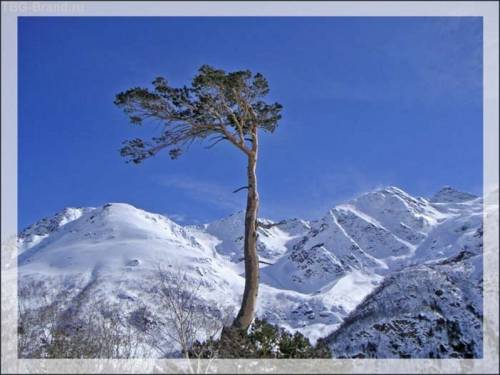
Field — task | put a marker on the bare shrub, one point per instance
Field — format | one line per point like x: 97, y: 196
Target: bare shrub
x: 51, y: 330
x: 76, y: 327
x: 99, y: 334
x: 183, y: 319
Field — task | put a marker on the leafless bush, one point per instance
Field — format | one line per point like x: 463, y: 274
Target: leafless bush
x: 76, y: 327
x: 52, y: 330
x: 37, y: 318
x: 100, y: 334
x: 184, y: 318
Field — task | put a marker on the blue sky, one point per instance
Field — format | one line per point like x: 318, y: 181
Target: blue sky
x: 367, y: 102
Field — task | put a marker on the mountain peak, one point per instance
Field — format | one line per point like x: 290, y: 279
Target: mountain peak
x: 119, y: 206
x: 49, y: 224
x: 394, y: 189
x: 385, y: 191
x: 448, y: 194
x: 386, y: 196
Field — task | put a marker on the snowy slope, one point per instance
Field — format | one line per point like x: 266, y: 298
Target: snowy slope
x: 433, y: 309
x: 313, y: 274
x: 426, y: 311
x: 379, y: 232
x: 43, y: 228
x: 120, y: 244
x: 271, y: 244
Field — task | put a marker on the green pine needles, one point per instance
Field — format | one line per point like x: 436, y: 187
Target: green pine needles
x: 263, y: 340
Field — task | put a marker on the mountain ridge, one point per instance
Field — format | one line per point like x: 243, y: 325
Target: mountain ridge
x: 314, y: 273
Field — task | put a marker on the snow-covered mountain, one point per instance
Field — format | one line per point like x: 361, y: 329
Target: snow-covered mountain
x: 274, y: 239
x: 432, y: 310
x: 313, y: 274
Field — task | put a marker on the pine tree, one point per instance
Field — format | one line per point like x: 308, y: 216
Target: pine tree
x: 217, y: 106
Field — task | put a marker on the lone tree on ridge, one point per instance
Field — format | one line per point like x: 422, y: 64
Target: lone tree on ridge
x: 217, y: 106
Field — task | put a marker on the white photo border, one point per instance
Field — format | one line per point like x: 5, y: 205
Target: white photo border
x: 488, y: 10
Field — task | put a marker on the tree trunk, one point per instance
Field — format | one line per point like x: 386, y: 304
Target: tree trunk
x: 246, y: 314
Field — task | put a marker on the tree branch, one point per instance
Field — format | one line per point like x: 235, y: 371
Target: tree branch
x: 219, y: 139
x: 230, y: 136
x: 239, y: 125
x: 241, y: 188
x: 269, y: 226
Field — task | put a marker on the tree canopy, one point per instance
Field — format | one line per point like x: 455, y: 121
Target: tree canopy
x: 216, y: 106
